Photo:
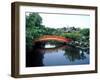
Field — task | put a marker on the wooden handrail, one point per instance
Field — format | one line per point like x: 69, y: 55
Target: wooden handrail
x: 53, y: 37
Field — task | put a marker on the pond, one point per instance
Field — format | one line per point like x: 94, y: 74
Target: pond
x: 50, y: 55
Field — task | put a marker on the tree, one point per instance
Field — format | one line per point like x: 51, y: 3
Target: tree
x: 85, y: 31
x: 33, y: 27
x: 33, y: 20
x: 73, y: 35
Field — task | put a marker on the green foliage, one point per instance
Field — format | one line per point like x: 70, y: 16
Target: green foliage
x: 33, y: 20
x: 85, y: 36
x: 72, y: 35
x: 33, y: 27
x: 85, y: 31
x: 81, y: 37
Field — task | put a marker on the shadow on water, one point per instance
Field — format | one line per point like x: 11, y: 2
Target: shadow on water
x: 34, y: 58
x: 62, y: 55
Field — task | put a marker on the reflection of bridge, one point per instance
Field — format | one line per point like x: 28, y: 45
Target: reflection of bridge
x: 53, y: 37
x: 53, y: 49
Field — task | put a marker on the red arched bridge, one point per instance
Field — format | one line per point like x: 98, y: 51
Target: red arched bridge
x: 53, y: 37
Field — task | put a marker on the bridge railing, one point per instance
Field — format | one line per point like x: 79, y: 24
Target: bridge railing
x: 52, y: 36
x: 45, y: 37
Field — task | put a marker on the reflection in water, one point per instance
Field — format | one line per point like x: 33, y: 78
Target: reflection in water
x: 49, y: 46
x: 64, y: 55
x: 34, y: 58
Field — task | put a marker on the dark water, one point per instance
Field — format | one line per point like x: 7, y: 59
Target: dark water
x: 56, y: 56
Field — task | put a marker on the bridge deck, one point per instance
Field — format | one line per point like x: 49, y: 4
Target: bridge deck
x: 53, y: 37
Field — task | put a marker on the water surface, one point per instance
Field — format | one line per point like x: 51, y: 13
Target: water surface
x: 56, y: 56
